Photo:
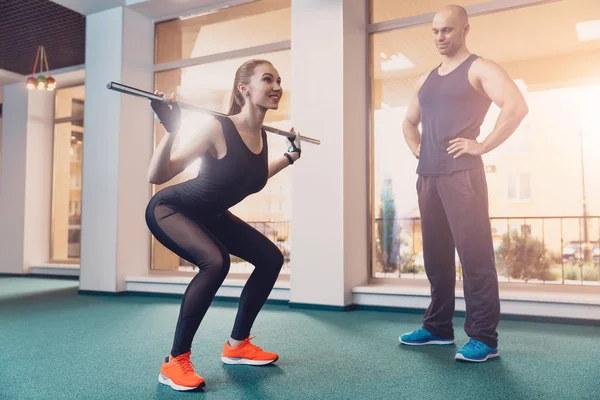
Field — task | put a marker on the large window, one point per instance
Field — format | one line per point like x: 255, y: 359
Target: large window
x: 208, y: 84
x: 67, y: 172
x: 237, y: 28
x: 546, y: 177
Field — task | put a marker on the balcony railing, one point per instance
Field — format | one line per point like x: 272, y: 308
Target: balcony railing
x: 545, y: 249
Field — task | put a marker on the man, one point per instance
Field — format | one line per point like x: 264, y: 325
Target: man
x: 451, y: 103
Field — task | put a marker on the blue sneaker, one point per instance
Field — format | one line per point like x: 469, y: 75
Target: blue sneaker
x: 421, y: 337
x: 476, y: 351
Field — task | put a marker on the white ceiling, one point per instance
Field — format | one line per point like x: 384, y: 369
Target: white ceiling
x: 86, y: 7
x: 7, y: 77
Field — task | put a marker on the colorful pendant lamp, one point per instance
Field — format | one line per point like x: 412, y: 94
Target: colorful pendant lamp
x: 41, y: 82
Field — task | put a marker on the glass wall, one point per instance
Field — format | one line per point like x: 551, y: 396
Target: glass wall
x: 544, y: 182
x: 66, y: 175
x: 209, y: 85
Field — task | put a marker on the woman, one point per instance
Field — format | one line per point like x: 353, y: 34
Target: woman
x: 192, y: 218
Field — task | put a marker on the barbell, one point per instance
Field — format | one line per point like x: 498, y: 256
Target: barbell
x: 119, y: 87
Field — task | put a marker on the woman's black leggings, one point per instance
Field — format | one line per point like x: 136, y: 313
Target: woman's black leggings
x: 208, y: 245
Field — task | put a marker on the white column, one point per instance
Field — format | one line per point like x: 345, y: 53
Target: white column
x: 330, y: 187
x: 25, y: 178
x: 115, y: 241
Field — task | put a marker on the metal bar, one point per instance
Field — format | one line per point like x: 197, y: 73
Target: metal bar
x: 508, y: 260
x: 562, y: 247
x: 118, y: 87
x: 68, y: 119
x: 413, y: 252
x: 546, y: 217
x: 543, y: 260
x: 580, y: 252
x: 598, y: 222
x: 526, y: 266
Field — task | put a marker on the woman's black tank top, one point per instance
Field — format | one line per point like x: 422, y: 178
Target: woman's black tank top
x: 221, y: 183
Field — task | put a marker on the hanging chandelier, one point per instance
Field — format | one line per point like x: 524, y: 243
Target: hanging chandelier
x: 41, y: 82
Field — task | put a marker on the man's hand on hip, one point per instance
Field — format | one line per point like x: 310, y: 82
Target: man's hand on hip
x: 460, y: 146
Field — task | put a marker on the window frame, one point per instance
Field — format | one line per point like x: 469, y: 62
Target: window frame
x: 474, y: 10
x: 71, y: 119
x: 518, y: 187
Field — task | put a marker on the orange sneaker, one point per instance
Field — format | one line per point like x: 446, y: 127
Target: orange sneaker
x: 247, y: 353
x: 178, y: 372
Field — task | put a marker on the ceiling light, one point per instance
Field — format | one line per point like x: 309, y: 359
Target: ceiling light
x: 41, y: 82
x: 51, y: 83
x: 31, y: 83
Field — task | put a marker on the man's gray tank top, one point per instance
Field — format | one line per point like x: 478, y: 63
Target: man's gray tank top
x: 450, y: 108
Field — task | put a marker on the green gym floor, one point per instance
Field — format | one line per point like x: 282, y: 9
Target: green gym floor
x: 57, y: 344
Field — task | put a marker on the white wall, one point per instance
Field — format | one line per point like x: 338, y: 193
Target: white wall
x: 329, y: 194
x: 117, y: 150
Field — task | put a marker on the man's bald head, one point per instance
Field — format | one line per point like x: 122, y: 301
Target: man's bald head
x: 450, y: 28
x: 454, y: 12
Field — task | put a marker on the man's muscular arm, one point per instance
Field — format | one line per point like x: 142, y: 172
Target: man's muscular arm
x: 495, y: 83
